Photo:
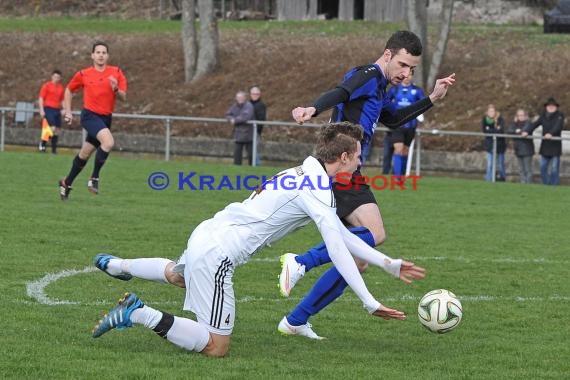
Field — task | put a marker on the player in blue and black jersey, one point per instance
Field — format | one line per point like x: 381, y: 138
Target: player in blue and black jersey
x: 402, y: 96
x: 360, y: 98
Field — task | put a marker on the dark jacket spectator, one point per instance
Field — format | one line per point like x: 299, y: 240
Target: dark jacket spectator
x: 259, y: 108
x: 552, y: 124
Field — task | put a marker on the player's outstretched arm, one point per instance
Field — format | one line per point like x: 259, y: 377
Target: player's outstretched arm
x: 440, y: 88
x: 409, y: 272
x: 387, y: 313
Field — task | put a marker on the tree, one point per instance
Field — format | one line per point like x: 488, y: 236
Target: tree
x: 296, y: 9
x: 346, y: 10
x: 416, y: 15
x: 200, y: 58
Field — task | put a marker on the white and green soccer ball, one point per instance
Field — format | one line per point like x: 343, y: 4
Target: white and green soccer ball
x: 440, y: 311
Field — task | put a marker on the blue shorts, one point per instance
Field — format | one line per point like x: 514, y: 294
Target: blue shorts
x: 53, y: 116
x: 93, y: 123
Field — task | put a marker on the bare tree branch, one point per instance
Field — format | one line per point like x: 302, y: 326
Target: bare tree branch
x: 446, y: 16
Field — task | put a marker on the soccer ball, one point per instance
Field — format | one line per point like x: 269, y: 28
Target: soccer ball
x: 440, y: 311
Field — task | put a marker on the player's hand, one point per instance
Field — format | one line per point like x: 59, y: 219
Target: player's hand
x: 67, y: 117
x: 409, y: 272
x: 387, y: 313
x: 114, y: 83
x: 302, y: 114
x: 441, y: 86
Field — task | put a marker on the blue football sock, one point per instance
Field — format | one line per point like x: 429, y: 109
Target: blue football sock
x: 397, y: 164
x: 404, y: 164
x: 319, y: 254
x: 329, y: 287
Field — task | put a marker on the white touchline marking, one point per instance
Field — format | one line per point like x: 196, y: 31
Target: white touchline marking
x: 36, y: 289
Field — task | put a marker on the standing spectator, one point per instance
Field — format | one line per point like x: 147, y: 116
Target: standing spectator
x: 524, y: 148
x: 404, y: 95
x: 238, y: 115
x: 552, y: 121
x: 259, y: 113
x: 493, y: 123
x: 101, y: 84
x: 49, y: 103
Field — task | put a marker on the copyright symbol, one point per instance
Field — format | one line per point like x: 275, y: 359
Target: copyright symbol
x: 158, y: 181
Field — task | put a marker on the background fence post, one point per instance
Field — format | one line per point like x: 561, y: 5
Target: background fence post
x: 167, y: 141
x: 494, y: 166
x: 418, y: 149
x: 2, y: 130
x: 254, y: 146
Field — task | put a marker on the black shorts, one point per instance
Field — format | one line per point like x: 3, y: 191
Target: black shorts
x: 348, y: 200
x: 403, y: 135
x: 93, y: 123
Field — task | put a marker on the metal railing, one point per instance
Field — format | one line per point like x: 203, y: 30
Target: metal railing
x: 168, y: 119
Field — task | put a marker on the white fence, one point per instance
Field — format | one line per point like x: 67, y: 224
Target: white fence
x: 167, y: 121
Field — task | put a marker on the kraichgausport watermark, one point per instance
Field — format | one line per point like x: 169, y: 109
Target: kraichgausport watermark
x: 342, y: 181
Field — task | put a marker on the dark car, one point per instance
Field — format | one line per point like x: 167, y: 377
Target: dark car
x: 557, y: 20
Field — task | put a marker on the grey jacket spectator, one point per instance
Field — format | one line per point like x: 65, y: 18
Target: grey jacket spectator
x: 238, y: 115
x: 552, y: 124
x: 523, y: 147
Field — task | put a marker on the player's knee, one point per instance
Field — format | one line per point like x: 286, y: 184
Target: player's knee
x: 216, y: 349
x: 379, y: 235
x: 218, y: 352
x: 108, y: 144
x: 174, y: 278
x: 362, y: 266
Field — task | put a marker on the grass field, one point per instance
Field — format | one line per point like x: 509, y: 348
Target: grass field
x: 502, y: 248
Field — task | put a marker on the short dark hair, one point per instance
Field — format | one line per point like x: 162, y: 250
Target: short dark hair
x: 404, y: 39
x: 336, y: 138
x: 99, y: 43
x: 56, y: 71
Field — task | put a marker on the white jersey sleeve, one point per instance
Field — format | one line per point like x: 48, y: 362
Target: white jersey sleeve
x: 331, y: 228
x: 363, y: 251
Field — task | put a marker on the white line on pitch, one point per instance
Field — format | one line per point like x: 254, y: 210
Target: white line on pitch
x: 36, y: 289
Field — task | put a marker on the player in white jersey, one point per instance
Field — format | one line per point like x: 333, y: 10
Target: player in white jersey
x: 220, y: 244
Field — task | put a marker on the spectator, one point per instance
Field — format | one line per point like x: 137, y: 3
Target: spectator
x: 493, y: 123
x: 49, y: 103
x: 403, y: 95
x: 259, y: 113
x: 238, y: 115
x: 524, y: 148
x: 552, y: 121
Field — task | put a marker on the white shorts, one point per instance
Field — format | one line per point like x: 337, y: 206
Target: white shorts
x: 208, y: 275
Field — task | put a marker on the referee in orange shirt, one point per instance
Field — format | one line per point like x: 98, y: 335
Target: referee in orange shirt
x: 49, y: 103
x: 101, y: 84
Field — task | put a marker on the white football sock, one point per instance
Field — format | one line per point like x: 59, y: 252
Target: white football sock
x: 188, y: 334
x: 114, y: 267
x: 147, y: 269
x: 146, y: 316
